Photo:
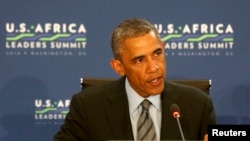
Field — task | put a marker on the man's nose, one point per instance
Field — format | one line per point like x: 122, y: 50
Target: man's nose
x: 153, y: 66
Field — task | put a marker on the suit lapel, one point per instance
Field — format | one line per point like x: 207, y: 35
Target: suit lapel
x: 118, y: 112
x: 169, y: 126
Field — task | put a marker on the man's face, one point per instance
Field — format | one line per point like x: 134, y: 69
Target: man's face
x: 143, y: 62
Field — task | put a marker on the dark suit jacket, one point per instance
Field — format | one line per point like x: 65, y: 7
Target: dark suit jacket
x: 101, y: 113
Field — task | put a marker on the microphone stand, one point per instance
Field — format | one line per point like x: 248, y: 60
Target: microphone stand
x: 179, y: 125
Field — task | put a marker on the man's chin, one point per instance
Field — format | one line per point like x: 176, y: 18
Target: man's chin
x: 155, y: 91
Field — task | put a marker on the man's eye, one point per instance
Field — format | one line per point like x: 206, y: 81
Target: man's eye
x: 138, y: 61
x: 158, y: 53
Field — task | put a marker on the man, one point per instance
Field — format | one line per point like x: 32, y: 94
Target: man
x: 111, y: 111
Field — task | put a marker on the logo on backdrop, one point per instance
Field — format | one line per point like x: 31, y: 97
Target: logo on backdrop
x: 45, y: 39
x: 197, y: 39
x: 50, y: 111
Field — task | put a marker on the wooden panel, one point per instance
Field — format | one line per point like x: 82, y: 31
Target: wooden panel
x: 202, y: 84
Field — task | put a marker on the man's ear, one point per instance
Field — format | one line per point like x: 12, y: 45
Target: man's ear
x: 117, y: 66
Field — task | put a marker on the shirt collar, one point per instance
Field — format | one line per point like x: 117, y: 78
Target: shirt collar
x: 134, y: 99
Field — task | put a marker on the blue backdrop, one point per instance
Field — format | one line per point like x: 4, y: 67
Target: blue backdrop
x: 46, y: 46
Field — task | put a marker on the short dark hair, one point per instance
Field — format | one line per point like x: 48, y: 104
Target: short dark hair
x: 134, y: 27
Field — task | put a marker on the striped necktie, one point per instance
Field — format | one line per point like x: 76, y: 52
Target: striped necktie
x: 145, y: 127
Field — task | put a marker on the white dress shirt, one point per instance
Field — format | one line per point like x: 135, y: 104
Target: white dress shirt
x: 134, y: 101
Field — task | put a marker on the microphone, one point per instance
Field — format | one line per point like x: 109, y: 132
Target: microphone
x: 175, y: 110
